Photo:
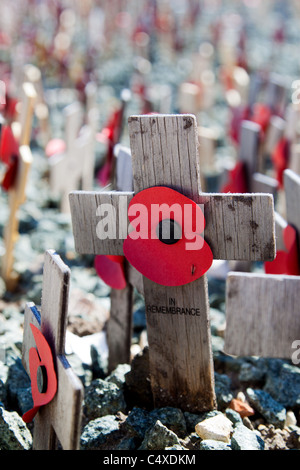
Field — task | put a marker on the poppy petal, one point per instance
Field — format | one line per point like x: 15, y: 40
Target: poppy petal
x: 111, y: 270
x: 171, y: 262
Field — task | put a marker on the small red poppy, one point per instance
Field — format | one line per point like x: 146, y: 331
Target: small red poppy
x: 286, y: 262
x: 55, y: 147
x: 40, y: 358
x: 261, y: 115
x: 9, y: 155
x: 237, y: 181
x: 280, y: 159
x: 111, y: 270
x: 166, y: 245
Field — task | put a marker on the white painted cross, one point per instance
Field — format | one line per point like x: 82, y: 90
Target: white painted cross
x: 61, y: 418
x: 238, y: 226
x: 262, y: 310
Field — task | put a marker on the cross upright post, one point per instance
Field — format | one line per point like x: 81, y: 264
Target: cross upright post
x: 238, y: 226
x: 76, y: 164
x: 61, y: 418
x: 17, y: 193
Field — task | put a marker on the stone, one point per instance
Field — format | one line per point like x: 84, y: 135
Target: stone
x: 222, y: 389
x: 273, y: 412
x: 138, y: 381
x: 245, y: 439
x: 103, y: 398
x: 291, y: 419
x: 159, y: 437
x: 243, y: 408
x: 234, y: 416
x: 96, y: 433
x: 192, y: 419
x: 138, y: 421
x: 252, y: 373
x: 14, y: 434
x: 171, y: 417
x: 218, y: 428
x: 278, y: 439
x: 117, y: 376
x: 283, y: 383
x: 210, y: 444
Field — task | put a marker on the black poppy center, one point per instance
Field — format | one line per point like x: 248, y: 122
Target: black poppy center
x: 169, y: 231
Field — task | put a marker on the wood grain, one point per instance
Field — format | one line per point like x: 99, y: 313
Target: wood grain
x: 292, y: 195
x: 235, y: 228
x: 262, y: 315
x: 164, y: 152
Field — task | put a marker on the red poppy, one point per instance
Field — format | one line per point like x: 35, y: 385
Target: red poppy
x: 111, y: 270
x: 9, y: 155
x: 286, y: 262
x: 280, y: 159
x: 237, y: 181
x: 40, y: 358
x: 166, y: 245
x: 261, y: 115
x: 55, y: 147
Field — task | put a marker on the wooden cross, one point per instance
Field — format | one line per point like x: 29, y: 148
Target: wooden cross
x: 61, y: 418
x: 17, y: 193
x: 238, y: 226
x: 33, y: 75
x: 262, y: 310
x: 119, y: 325
x: 250, y: 156
x: 77, y: 162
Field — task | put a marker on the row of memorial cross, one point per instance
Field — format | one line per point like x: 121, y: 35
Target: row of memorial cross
x: 238, y: 227
x: 164, y: 152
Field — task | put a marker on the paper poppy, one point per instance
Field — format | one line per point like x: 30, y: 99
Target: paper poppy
x: 165, y: 244
x: 40, y: 361
x: 237, y: 180
x: 9, y: 155
x: 110, y: 269
x: 280, y: 158
x: 286, y: 262
x: 261, y: 115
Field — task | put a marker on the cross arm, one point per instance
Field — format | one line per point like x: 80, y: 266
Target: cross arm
x: 238, y: 227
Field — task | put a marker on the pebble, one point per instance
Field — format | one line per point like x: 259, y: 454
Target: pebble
x: 245, y: 439
x: 273, y: 412
x: 159, y: 437
x: 218, y: 428
x: 97, y: 432
x: 210, y: 444
x: 14, y: 434
x: 103, y: 398
x: 243, y: 408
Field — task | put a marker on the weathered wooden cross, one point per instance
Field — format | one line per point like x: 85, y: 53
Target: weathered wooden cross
x: 238, y: 226
x: 250, y: 156
x: 60, y: 418
x: 17, y: 192
x: 262, y: 310
x: 74, y: 166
